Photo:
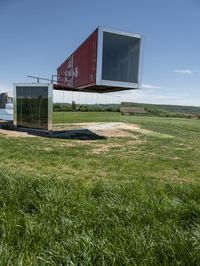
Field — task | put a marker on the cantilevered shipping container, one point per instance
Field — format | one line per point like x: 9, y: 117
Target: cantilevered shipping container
x: 108, y: 60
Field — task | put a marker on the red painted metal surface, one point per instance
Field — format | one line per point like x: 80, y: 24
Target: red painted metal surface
x: 79, y: 70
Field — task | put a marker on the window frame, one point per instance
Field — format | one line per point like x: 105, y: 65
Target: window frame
x: 111, y: 83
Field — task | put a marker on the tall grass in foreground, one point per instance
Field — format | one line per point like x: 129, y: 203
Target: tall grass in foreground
x: 63, y: 222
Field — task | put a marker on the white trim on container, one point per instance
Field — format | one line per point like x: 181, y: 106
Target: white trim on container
x: 110, y: 83
x: 99, y: 56
x: 119, y: 84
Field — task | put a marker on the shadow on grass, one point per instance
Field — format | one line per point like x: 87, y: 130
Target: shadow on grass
x: 79, y: 134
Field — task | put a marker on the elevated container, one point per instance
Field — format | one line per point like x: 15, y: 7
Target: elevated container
x: 108, y: 60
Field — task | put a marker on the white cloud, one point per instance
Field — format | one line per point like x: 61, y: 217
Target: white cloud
x: 161, y: 97
x: 150, y: 86
x: 184, y: 71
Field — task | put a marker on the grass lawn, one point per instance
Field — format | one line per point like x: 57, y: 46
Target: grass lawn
x: 78, y: 117
x: 120, y: 201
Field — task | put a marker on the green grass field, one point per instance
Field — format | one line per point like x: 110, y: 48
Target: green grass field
x: 78, y: 117
x: 119, y: 201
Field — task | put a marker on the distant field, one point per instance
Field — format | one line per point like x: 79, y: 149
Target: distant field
x: 119, y: 201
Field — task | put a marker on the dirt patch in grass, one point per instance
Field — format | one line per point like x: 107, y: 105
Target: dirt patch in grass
x: 15, y: 134
x: 183, y: 147
x: 112, y: 129
x: 107, y: 130
x: 104, y: 148
x: 47, y: 149
x: 112, y: 133
x: 180, y: 180
x: 109, y: 147
x: 174, y: 175
x: 137, y: 129
x: 176, y: 158
x: 101, y: 149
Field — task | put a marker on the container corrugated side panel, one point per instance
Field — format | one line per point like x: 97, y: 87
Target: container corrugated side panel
x: 85, y: 61
x: 61, y: 72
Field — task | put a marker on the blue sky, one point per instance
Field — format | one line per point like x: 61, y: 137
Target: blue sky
x: 36, y: 36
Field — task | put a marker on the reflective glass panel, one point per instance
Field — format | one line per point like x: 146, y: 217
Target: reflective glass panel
x: 120, y: 57
x: 32, y: 107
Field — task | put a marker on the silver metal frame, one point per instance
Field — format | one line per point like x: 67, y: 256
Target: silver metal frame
x: 99, y: 80
x: 50, y: 101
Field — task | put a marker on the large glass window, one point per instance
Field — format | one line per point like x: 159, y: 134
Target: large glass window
x: 32, y: 107
x: 120, y: 57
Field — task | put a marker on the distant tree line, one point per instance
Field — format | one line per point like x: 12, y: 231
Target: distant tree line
x: 67, y: 107
x: 150, y: 109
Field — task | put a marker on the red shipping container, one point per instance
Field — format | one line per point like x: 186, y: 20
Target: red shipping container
x: 108, y: 60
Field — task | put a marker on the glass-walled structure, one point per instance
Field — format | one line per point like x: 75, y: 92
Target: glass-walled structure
x: 33, y: 106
